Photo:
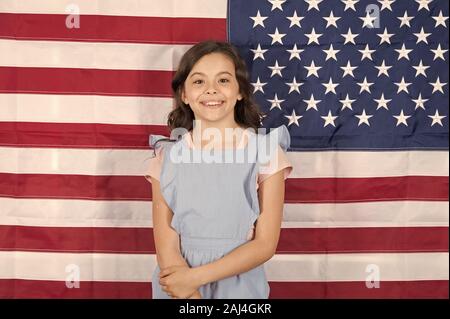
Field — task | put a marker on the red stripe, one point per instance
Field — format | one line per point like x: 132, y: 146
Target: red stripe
x: 77, y: 135
x: 434, y: 188
x: 292, y: 240
x: 18, y: 288
x: 104, y: 28
x: 351, y: 290
x: 85, y: 81
x: 364, y: 239
x: 342, y: 190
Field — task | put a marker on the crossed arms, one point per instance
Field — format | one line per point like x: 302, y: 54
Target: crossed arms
x: 179, y: 280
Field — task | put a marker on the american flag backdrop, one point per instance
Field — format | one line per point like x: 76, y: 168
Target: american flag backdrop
x: 361, y: 85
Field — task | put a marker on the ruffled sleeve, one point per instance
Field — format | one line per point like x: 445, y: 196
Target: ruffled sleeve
x: 156, y: 160
x: 276, y: 158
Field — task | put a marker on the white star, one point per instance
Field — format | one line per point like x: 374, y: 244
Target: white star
x: 295, y: 53
x: 422, y: 36
x: 295, y: 20
x: 423, y: 4
x: 329, y: 119
x: 405, y: 20
x: 275, y: 102
x: 276, y: 69
x: 382, y: 102
x: 364, y: 118
x: 437, y: 86
x: 386, y: 4
x: 402, y: 85
x: 330, y: 86
x: 440, y: 20
x: 312, y: 69
x: 293, y: 118
x: 383, y: 69
x: 368, y: 20
x: 385, y: 37
x: 420, y: 102
x: 401, y: 118
x: 348, y: 69
x: 331, y: 53
x: 258, y: 20
x: 331, y: 20
x: 350, y: 4
x: 258, y: 86
x: 313, y: 37
x: 293, y: 86
x: 277, y: 4
x: 349, y: 37
x: 312, y: 103
x: 277, y: 37
x: 403, y: 52
x: 366, y: 53
x: 436, y: 118
x: 313, y: 4
x: 439, y: 53
x: 347, y: 103
x: 365, y: 86
x: 420, y: 69
x: 259, y: 53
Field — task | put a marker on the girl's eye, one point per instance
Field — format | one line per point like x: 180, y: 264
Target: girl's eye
x: 224, y: 80
x: 198, y: 81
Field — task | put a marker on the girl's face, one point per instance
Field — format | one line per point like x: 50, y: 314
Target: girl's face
x: 211, y: 89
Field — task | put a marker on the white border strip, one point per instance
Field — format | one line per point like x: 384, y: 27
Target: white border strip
x: 147, y: 8
x: 292, y: 268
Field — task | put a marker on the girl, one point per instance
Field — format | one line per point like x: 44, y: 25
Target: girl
x: 204, y: 214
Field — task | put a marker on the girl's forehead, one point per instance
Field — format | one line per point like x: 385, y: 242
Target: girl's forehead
x: 214, y: 62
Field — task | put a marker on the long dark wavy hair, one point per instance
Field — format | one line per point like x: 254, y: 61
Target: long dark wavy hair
x: 246, y: 112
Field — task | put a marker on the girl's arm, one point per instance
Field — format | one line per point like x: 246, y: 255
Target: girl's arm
x: 259, y: 250
x: 167, y: 241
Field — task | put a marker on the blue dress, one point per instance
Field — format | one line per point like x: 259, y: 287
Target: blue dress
x: 215, y: 205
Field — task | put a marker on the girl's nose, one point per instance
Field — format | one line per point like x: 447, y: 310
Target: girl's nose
x: 211, y: 90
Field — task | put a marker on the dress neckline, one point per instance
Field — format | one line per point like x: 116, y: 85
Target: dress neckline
x: 187, y: 140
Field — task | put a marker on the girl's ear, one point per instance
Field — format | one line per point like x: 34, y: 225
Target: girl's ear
x: 183, y: 97
x: 239, y: 97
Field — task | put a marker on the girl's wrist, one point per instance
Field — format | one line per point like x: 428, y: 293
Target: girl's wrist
x: 198, y: 276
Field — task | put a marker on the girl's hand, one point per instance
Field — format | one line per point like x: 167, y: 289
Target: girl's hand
x: 178, y: 281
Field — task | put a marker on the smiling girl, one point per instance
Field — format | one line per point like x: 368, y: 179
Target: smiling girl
x: 215, y: 224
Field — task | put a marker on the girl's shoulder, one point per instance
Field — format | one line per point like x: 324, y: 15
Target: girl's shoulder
x: 279, y: 136
x: 158, y: 142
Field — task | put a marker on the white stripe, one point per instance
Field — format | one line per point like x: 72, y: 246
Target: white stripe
x: 353, y: 267
x: 148, y: 8
x: 313, y: 267
x: 368, y: 163
x: 369, y: 214
x: 59, y: 213
x: 113, y: 56
x: 56, y: 108
x: 135, y: 162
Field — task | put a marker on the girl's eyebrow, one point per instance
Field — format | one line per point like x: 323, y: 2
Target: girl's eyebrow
x: 200, y: 73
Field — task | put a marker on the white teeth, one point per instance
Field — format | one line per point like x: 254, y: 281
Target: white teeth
x: 215, y: 103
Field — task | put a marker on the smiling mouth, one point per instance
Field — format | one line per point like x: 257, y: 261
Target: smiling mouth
x: 212, y: 104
